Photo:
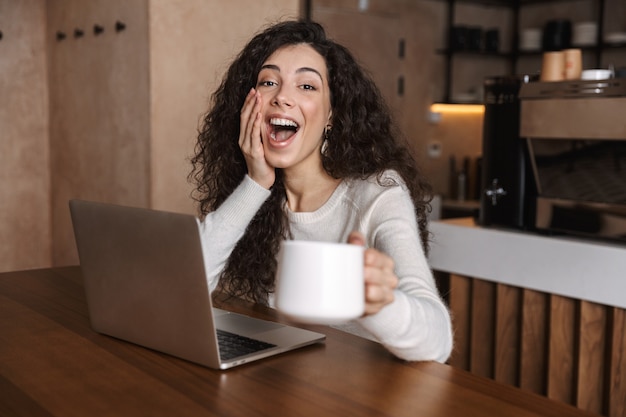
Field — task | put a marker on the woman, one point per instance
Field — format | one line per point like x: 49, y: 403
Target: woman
x: 299, y: 145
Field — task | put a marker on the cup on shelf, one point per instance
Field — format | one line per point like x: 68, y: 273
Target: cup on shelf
x: 530, y: 39
x: 475, y: 38
x: 615, y: 38
x: 585, y: 34
x: 492, y: 40
x: 459, y: 37
x: 597, y: 74
x: 573, y: 64
x: 557, y: 35
x: 553, y: 66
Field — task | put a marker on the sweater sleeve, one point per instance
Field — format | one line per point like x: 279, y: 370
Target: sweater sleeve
x: 221, y: 229
x: 416, y: 325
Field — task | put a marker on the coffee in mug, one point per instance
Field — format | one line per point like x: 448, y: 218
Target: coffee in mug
x: 320, y: 282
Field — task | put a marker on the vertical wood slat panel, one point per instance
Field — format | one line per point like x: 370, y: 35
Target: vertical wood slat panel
x: 616, y: 385
x: 533, y: 368
x: 507, y: 348
x: 568, y: 350
x: 482, y: 328
x: 460, y: 308
x: 591, y: 357
x: 561, y: 349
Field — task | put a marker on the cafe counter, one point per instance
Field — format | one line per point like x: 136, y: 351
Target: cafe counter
x: 543, y: 313
x: 573, y: 267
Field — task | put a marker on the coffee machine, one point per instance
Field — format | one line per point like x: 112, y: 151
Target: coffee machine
x: 506, y: 180
x: 575, y: 133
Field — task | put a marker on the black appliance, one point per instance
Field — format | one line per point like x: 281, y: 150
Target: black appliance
x: 506, y: 178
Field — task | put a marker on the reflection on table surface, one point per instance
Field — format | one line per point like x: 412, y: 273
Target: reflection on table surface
x: 53, y: 364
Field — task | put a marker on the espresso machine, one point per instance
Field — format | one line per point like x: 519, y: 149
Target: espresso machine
x: 554, y: 156
x: 575, y: 132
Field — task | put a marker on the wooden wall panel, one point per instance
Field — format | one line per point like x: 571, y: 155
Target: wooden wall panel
x: 561, y: 349
x: 507, y: 334
x: 24, y: 124
x: 99, y: 111
x: 483, y: 301
x: 591, y: 357
x: 569, y: 350
x: 616, y: 386
x: 533, y: 357
x: 459, y: 300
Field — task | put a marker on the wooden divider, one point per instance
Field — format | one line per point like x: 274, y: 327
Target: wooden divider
x: 460, y: 309
x: 507, y: 334
x: 561, y: 349
x: 592, y: 341
x: 615, y: 393
x: 534, y: 356
x: 482, y: 349
x: 569, y: 350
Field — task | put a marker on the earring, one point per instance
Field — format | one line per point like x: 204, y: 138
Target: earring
x: 327, y: 131
x: 324, y: 146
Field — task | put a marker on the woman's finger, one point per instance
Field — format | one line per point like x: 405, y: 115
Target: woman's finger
x: 245, y: 117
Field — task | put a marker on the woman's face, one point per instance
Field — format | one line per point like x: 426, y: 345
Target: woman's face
x: 293, y: 83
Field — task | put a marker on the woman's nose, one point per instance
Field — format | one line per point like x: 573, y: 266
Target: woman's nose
x: 282, y: 98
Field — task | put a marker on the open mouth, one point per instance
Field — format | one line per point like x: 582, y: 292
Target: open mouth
x: 282, y: 129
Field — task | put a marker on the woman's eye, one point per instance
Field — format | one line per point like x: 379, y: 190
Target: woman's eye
x: 266, y: 83
x: 307, y: 87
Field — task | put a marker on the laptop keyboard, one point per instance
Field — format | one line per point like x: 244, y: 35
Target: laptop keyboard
x: 233, y: 345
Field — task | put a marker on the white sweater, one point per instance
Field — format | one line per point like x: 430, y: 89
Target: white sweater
x: 416, y: 325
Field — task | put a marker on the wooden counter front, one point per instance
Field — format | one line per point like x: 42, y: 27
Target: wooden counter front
x: 539, y: 313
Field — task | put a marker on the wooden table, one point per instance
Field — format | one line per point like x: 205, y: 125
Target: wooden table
x: 53, y: 364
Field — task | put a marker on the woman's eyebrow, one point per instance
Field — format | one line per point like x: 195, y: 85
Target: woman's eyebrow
x: 270, y: 66
x: 309, y: 69
x: 299, y: 70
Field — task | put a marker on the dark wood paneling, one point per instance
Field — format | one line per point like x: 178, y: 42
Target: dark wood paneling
x: 507, y: 334
x: 591, y: 359
x: 568, y: 350
x: 533, y: 368
x: 460, y: 290
x: 616, y: 387
x: 561, y: 349
x: 482, y: 328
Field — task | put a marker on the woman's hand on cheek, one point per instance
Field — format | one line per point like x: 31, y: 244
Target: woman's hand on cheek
x: 380, y: 278
x: 250, y: 141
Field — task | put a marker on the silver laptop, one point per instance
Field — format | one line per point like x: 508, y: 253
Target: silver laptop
x: 145, y: 283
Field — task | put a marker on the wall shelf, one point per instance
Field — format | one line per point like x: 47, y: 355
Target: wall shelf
x: 512, y: 57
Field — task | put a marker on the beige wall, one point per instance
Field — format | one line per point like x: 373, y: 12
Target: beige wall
x: 24, y: 153
x: 120, y: 119
x: 191, y: 44
x: 99, y: 110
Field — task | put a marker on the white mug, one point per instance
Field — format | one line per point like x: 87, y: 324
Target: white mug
x: 320, y: 282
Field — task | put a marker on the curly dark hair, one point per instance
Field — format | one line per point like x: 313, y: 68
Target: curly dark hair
x: 364, y: 142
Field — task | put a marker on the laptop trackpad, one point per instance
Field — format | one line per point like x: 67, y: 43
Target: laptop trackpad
x: 244, y: 325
